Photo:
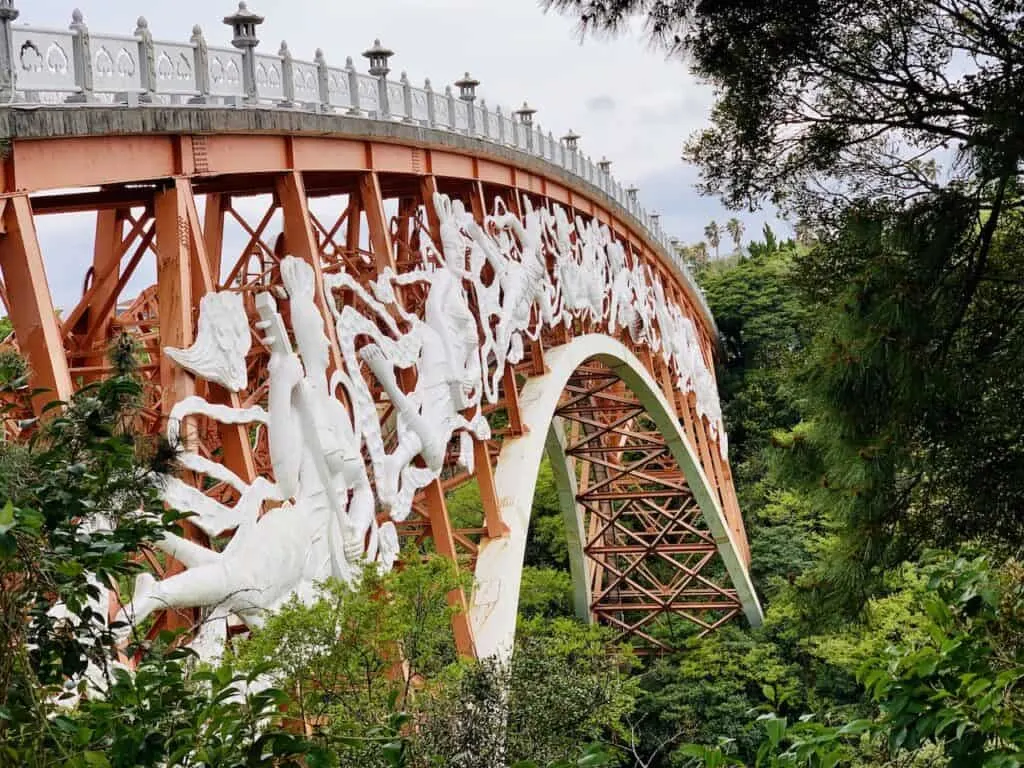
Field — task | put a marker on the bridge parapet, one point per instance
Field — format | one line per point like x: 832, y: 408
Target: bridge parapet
x: 50, y: 66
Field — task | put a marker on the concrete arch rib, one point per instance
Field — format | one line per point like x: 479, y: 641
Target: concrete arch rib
x: 499, y: 566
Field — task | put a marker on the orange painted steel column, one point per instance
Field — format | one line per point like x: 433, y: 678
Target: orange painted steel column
x: 238, y: 454
x: 106, y: 264
x: 213, y: 230
x: 428, y: 188
x: 175, y: 302
x: 380, y: 233
x: 31, y: 306
x: 174, y: 292
x: 353, y: 224
x: 444, y: 543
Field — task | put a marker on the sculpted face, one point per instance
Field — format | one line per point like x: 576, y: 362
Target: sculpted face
x: 222, y: 342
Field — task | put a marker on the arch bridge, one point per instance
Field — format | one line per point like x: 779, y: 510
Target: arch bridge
x: 363, y: 295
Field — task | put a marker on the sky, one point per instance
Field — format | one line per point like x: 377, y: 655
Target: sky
x: 627, y: 101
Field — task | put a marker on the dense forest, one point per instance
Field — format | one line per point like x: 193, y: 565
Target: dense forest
x: 871, y: 373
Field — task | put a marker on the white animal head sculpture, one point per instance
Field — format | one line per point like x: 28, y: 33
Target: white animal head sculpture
x: 222, y: 342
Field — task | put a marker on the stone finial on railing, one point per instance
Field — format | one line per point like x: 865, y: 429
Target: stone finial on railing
x: 525, y: 114
x: 201, y: 59
x: 467, y: 92
x: 82, y: 56
x: 323, y: 80
x: 379, y: 56
x: 287, y: 75
x: 431, y: 107
x: 485, y: 129
x: 147, y: 60
x: 8, y: 14
x: 406, y: 98
x: 632, y: 203
x: 571, y: 144
x: 353, y: 87
x: 243, y: 23
x: 502, y: 138
x: 604, y: 165
x: 452, y: 121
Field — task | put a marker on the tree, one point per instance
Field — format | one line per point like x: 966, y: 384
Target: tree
x: 892, y: 127
x: 713, y: 234
x: 911, y: 388
x: 735, y: 229
x: 568, y: 674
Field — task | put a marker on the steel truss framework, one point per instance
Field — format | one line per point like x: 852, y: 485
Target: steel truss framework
x: 173, y: 201
x: 649, y: 553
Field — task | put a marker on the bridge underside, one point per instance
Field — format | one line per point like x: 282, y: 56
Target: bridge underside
x: 209, y: 213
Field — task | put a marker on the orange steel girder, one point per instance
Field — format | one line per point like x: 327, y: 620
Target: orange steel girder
x: 149, y: 209
x: 649, y: 555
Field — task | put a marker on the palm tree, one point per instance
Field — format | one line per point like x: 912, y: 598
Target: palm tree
x: 735, y: 229
x: 713, y: 233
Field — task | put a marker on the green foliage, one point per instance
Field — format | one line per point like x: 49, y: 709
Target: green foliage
x: 545, y: 592
x: 86, y: 460
x: 763, y: 323
x: 546, y: 546
x: 945, y: 694
x: 911, y: 390
x: 351, y: 658
x: 568, y: 686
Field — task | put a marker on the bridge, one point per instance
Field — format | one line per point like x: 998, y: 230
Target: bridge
x: 429, y: 294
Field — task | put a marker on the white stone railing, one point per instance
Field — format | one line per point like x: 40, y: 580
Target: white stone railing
x: 40, y: 65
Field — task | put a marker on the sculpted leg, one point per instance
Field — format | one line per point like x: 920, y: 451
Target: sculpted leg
x: 197, y: 587
x: 361, y: 514
x: 187, y: 552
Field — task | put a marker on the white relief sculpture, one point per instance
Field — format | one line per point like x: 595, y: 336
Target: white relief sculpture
x: 444, y: 348
x: 594, y: 266
x: 222, y: 342
x: 322, y: 520
x: 317, y: 532
x: 521, y: 283
x: 568, y: 269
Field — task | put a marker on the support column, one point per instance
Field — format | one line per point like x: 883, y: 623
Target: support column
x: 444, y: 543
x: 238, y: 455
x: 106, y: 264
x: 380, y: 234
x: 428, y: 188
x: 32, y: 314
x: 213, y: 230
x: 174, y: 292
x: 353, y: 224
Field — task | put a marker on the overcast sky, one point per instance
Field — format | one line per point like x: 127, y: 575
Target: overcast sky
x: 626, y: 101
